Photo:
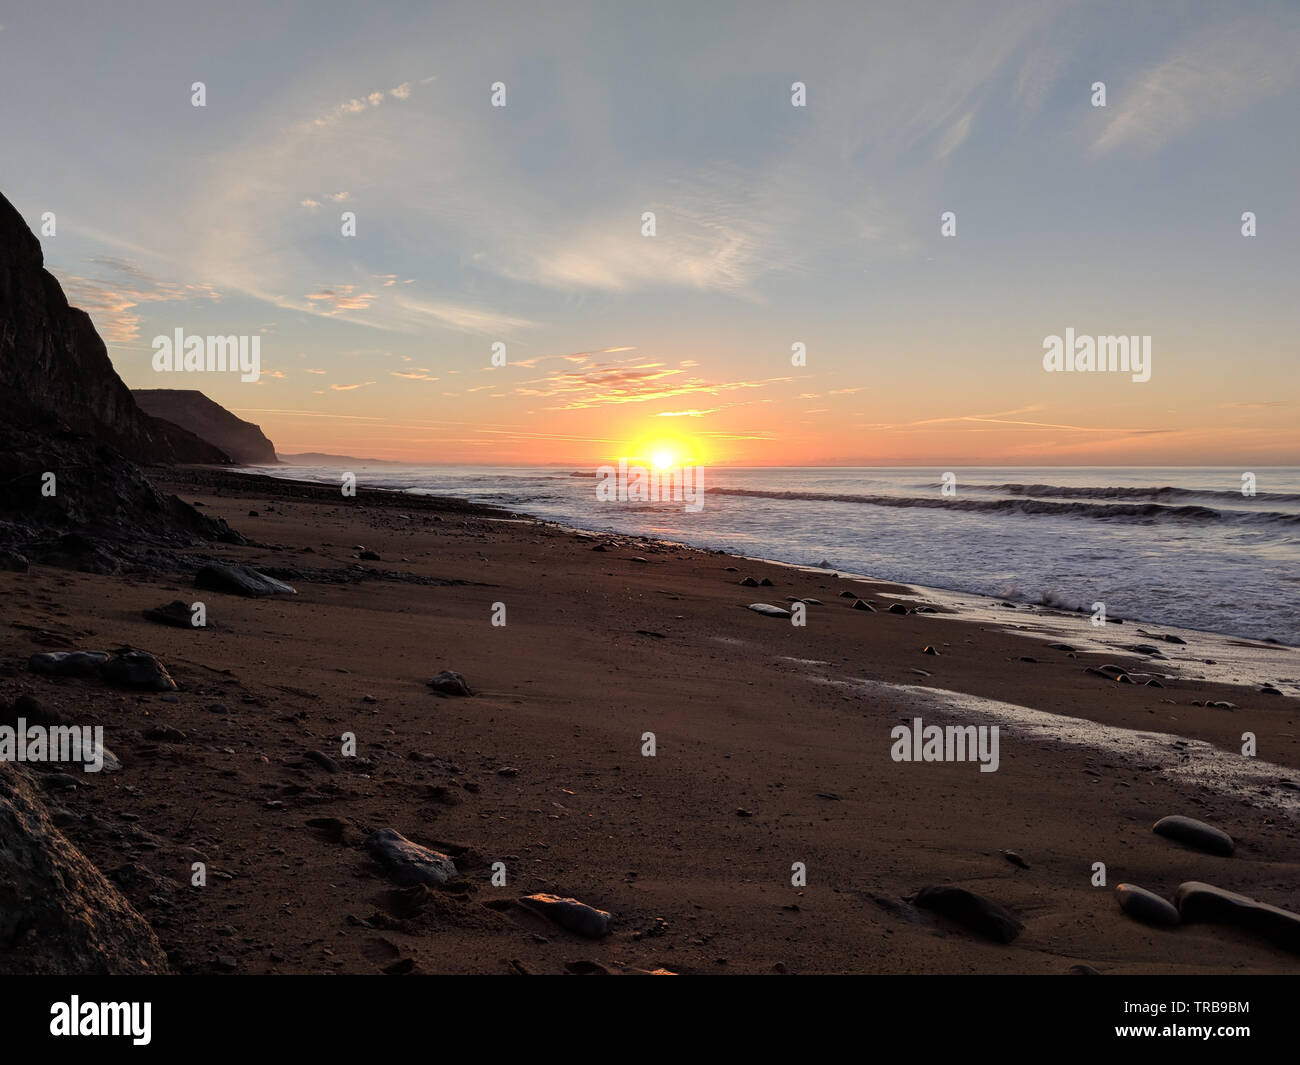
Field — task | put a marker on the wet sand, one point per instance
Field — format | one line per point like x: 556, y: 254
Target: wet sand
x: 772, y: 748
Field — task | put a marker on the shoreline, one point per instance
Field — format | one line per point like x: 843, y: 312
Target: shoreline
x: 770, y: 751
x: 987, y: 606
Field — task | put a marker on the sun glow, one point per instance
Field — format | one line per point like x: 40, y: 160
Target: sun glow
x: 664, y: 453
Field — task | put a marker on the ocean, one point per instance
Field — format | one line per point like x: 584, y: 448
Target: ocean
x: 1181, y: 546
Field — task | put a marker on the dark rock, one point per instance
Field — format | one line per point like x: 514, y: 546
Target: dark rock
x: 862, y: 604
x: 1204, y: 902
x: 370, y: 556
x: 1146, y: 906
x: 765, y: 583
x: 239, y: 580
x: 407, y: 863
x: 1195, y: 834
x: 974, y: 911
x: 138, y: 669
x: 768, y: 610
x: 12, y: 561
x: 1015, y: 859
x: 323, y: 760
x: 68, y: 663
x: 449, y: 682
x: 846, y: 594
x: 58, y: 913
x: 928, y: 650
x: 176, y: 614
x: 897, y: 608
x: 53, y: 361
x: 748, y: 582
x: 570, y: 914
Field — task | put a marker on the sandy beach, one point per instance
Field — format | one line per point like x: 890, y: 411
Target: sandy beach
x: 772, y: 747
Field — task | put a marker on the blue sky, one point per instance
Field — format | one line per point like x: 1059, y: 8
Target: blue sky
x: 775, y: 224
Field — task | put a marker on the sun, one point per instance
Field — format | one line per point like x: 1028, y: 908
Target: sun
x: 663, y: 460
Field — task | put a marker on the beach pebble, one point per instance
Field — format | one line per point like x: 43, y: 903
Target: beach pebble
x: 1146, y: 906
x: 766, y: 582
x: 897, y: 608
x: 67, y: 663
x: 862, y: 604
x: 1203, y: 902
x: 974, y: 911
x: 176, y: 614
x: 1196, y: 834
x: 240, y: 580
x: 1154, y: 684
x: 369, y: 556
x: 928, y: 650
x: 570, y: 914
x: 138, y: 669
x: 1268, y: 689
x: 748, y: 582
x: 449, y: 682
x: 1015, y: 859
x: 768, y: 610
x: 846, y: 594
x: 408, y: 863
x: 323, y: 760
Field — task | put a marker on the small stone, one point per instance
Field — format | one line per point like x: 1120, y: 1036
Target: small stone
x: 1195, y: 834
x: 748, y: 582
x: 240, y: 580
x: 1146, y: 906
x: 928, y: 650
x: 1204, y: 902
x: 897, y: 608
x: 449, y: 682
x: 862, y: 604
x: 974, y: 911
x: 1015, y: 859
x: 768, y: 610
x: 570, y: 914
x: 408, y: 863
x: 138, y: 669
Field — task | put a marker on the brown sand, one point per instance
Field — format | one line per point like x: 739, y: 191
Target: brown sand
x: 565, y: 691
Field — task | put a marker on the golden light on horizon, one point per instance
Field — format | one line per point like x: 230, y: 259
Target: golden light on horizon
x: 664, y: 452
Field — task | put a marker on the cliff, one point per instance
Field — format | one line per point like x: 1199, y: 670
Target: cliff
x: 243, y: 441
x: 53, y: 361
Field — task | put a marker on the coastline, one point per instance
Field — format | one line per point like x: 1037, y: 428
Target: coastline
x: 750, y: 714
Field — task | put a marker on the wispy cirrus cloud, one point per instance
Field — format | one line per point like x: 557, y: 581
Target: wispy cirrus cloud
x: 1214, y: 74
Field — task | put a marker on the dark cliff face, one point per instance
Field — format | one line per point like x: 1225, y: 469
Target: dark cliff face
x: 242, y: 441
x: 52, y: 360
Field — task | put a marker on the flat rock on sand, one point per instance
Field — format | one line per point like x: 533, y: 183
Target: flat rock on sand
x: 768, y: 610
x: 449, y: 682
x: 570, y: 914
x: 974, y: 911
x: 1204, y: 902
x: 240, y: 580
x: 176, y: 614
x: 138, y: 669
x: 408, y: 863
x: 1196, y: 834
x: 68, y: 663
x: 58, y: 914
x: 1146, y: 906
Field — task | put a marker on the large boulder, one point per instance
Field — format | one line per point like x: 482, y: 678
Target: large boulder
x: 58, y: 914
